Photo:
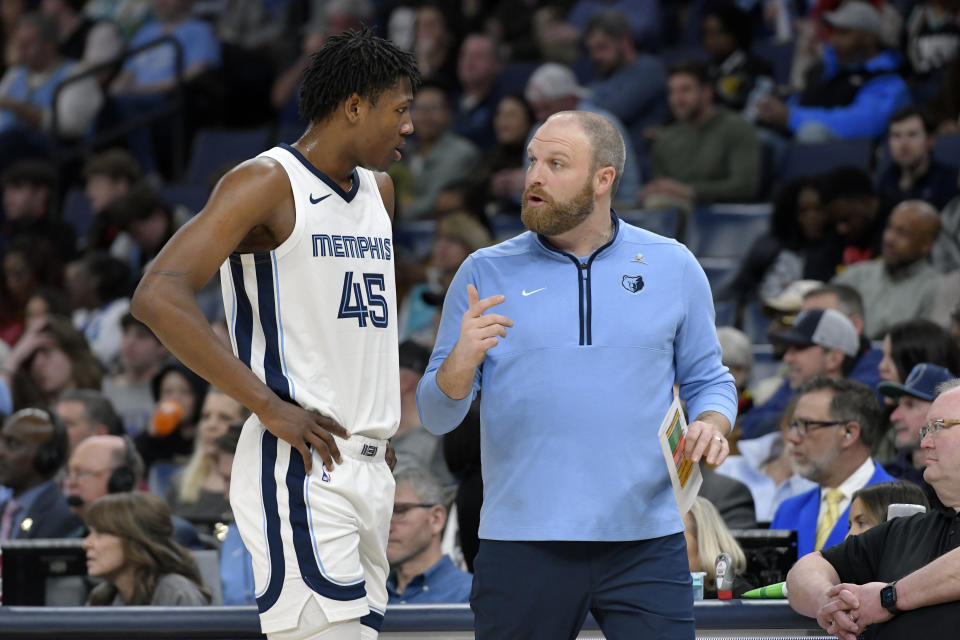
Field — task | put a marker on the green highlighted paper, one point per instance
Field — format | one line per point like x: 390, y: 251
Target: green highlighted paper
x: 778, y: 590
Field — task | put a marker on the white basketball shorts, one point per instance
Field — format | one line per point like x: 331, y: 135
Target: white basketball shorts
x: 322, y: 536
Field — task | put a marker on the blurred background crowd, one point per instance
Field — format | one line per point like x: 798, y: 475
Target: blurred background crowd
x: 806, y: 151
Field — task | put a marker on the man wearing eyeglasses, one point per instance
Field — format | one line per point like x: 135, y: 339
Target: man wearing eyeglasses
x: 835, y: 423
x: 913, y: 399
x: 902, y: 574
x: 420, y: 573
x: 105, y: 464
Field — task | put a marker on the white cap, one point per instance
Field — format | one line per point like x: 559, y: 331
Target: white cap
x: 552, y: 80
x: 858, y: 15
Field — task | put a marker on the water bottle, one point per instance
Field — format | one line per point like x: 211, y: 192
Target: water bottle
x: 723, y: 569
x: 763, y: 87
x: 783, y: 28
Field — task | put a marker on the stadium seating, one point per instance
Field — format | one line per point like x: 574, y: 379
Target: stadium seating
x: 76, y: 211
x: 780, y: 57
x: 665, y: 222
x: 216, y: 150
x: 947, y: 149
x: 809, y: 159
x: 191, y: 196
x: 727, y: 230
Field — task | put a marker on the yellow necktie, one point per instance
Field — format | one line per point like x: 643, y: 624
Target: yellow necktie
x: 829, y: 519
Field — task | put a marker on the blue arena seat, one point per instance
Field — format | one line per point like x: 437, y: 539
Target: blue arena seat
x: 664, y: 222
x: 947, y: 149
x: 780, y: 57
x: 718, y: 271
x: 215, y: 150
x: 414, y: 239
x: 289, y: 132
x: 506, y: 226
x: 755, y: 322
x: 764, y: 364
x: 811, y: 159
x: 191, y: 196
x: 727, y: 230
x: 76, y: 211
x: 515, y: 75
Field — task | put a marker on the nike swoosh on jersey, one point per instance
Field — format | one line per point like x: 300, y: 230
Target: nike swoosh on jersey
x: 312, y: 201
x: 530, y: 293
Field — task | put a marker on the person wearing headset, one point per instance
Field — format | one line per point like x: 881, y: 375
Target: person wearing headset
x: 101, y: 465
x: 33, y: 447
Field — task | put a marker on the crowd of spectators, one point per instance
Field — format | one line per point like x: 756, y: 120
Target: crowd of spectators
x: 711, y: 98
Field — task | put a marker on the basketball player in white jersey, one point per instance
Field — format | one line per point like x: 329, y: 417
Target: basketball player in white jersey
x: 301, y: 235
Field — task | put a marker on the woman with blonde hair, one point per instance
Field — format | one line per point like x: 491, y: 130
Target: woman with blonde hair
x: 131, y: 546
x: 197, y: 492
x: 707, y: 537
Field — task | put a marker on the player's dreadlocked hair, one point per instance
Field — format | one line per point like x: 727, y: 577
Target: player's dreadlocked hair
x: 352, y: 62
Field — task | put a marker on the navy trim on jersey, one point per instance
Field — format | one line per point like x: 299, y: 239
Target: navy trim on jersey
x: 243, y: 326
x: 272, y: 367
x: 268, y: 484
x: 373, y: 620
x: 583, y: 279
x: 310, y: 570
x: 283, y: 357
x: 589, y: 319
x: 581, y: 274
x: 330, y: 182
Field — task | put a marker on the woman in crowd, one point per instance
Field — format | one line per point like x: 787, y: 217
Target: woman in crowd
x: 25, y: 269
x: 457, y: 235
x: 707, y: 537
x: 131, y: 546
x: 501, y: 174
x: 869, y: 505
x: 790, y: 251
x: 914, y: 341
x: 50, y: 358
x: 178, y: 393
x: 45, y: 302
x: 198, y: 492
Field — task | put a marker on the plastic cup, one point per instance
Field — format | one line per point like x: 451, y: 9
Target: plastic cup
x: 698, y: 577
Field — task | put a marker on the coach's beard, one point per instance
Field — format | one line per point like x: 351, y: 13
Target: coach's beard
x: 555, y: 218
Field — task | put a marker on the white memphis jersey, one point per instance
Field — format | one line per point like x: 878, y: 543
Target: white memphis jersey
x: 316, y: 318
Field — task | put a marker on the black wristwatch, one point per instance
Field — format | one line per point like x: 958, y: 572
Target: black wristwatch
x: 888, y: 598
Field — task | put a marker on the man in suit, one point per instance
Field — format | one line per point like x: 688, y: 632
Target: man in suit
x: 901, y: 573
x: 33, y: 446
x: 833, y: 427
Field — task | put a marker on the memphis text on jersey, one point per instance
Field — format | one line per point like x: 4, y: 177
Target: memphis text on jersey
x: 352, y: 247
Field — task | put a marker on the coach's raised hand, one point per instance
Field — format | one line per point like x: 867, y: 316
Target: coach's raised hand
x: 479, y: 332
x: 304, y: 429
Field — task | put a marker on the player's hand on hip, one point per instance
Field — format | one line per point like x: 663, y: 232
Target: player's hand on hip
x: 480, y: 331
x: 390, y: 456
x: 705, y: 438
x: 304, y: 429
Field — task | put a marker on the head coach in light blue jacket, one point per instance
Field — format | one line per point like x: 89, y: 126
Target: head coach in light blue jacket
x: 574, y: 333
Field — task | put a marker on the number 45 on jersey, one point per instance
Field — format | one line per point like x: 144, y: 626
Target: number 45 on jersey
x: 352, y: 304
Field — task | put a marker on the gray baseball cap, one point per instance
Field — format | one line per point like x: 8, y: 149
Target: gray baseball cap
x: 827, y: 328
x: 855, y: 14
